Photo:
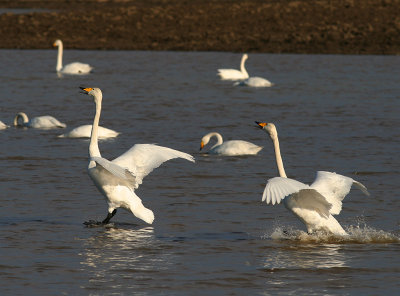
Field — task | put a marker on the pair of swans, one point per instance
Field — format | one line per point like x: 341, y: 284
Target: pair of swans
x: 75, y: 68
x: 229, y: 148
x: 313, y: 204
x: 118, y: 179
x: 41, y: 122
x: 243, y: 76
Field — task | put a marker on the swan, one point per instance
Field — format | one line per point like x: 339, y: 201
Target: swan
x: 44, y: 122
x: 118, y: 179
x: 3, y: 125
x: 72, y: 68
x: 233, y: 74
x: 229, y: 148
x: 84, y: 131
x: 255, y: 82
x: 313, y: 204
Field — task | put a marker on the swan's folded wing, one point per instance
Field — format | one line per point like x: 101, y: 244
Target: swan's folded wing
x: 334, y: 188
x: 122, y: 173
x: 142, y: 159
x: 278, y: 188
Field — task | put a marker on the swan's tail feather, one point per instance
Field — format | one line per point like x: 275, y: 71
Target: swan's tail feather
x: 361, y: 187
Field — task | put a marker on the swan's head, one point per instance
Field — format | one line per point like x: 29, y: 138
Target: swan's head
x: 269, y: 128
x: 204, y: 141
x: 57, y: 42
x: 245, y: 56
x: 94, y: 92
x: 23, y: 116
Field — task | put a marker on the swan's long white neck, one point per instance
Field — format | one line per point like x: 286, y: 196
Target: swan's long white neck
x: 22, y: 115
x: 279, y: 161
x: 94, y: 146
x: 218, y: 136
x: 59, y: 57
x: 242, y: 68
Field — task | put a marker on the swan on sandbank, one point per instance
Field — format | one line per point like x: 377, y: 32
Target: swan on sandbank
x: 84, y: 131
x: 313, y: 204
x: 3, y: 125
x: 254, y: 82
x: 229, y: 148
x: 43, y: 122
x: 118, y: 179
x: 72, y: 68
x: 233, y: 74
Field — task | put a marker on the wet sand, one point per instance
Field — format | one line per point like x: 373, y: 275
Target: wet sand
x: 328, y: 27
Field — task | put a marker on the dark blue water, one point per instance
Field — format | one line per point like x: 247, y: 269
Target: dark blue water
x: 212, y: 234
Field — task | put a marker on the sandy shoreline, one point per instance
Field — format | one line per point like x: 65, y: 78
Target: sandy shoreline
x: 327, y: 27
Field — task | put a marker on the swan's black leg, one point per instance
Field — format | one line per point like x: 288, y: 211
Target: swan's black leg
x: 109, y: 216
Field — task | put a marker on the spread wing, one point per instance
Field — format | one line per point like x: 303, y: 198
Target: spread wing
x: 334, y: 188
x: 114, y: 169
x: 142, y: 159
x: 278, y: 188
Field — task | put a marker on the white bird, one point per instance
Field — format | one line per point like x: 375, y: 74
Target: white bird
x: 229, y: 148
x: 255, y: 82
x: 3, y: 125
x: 43, y: 122
x: 118, y: 179
x: 313, y: 204
x: 84, y: 131
x: 72, y: 68
x: 233, y: 74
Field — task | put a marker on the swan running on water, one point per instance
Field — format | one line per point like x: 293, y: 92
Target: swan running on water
x: 233, y: 74
x: 44, y: 122
x: 229, y: 148
x: 84, y: 131
x: 314, y: 205
x: 72, y: 68
x: 117, y: 179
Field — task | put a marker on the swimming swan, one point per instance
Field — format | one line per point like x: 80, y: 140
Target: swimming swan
x: 118, y: 179
x: 44, y: 122
x: 229, y: 148
x: 84, y: 131
x: 314, y: 205
x: 3, y: 125
x: 73, y: 68
x: 233, y: 74
x: 255, y: 82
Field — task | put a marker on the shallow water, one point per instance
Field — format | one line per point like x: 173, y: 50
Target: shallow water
x: 212, y: 235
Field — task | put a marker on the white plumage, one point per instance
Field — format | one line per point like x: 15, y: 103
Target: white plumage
x: 42, y: 122
x: 118, y: 179
x: 84, y: 131
x: 76, y: 68
x: 233, y: 74
x: 255, y: 82
x: 313, y: 204
x: 3, y: 125
x: 229, y: 148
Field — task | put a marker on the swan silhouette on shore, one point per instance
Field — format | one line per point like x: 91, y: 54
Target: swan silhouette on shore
x: 43, y: 122
x: 72, y: 68
x: 118, y: 179
x: 229, y: 148
x: 84, y: 131
x: 233, y: 74
x: 313, y: 204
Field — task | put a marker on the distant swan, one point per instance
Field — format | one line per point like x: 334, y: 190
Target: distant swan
x: 118, y: 179
x: 314, y: 205
x: 44, y: 122
x: 84, y: 131
x: 233, y: 74
x: 255, y: 82
x: 3, y: 125
x: 229, y: 148
x: 73, y: 68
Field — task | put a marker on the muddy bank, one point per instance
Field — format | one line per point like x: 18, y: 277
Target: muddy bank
x: 286, y: 26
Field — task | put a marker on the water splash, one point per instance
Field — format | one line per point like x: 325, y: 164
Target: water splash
x: 361, y: 234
